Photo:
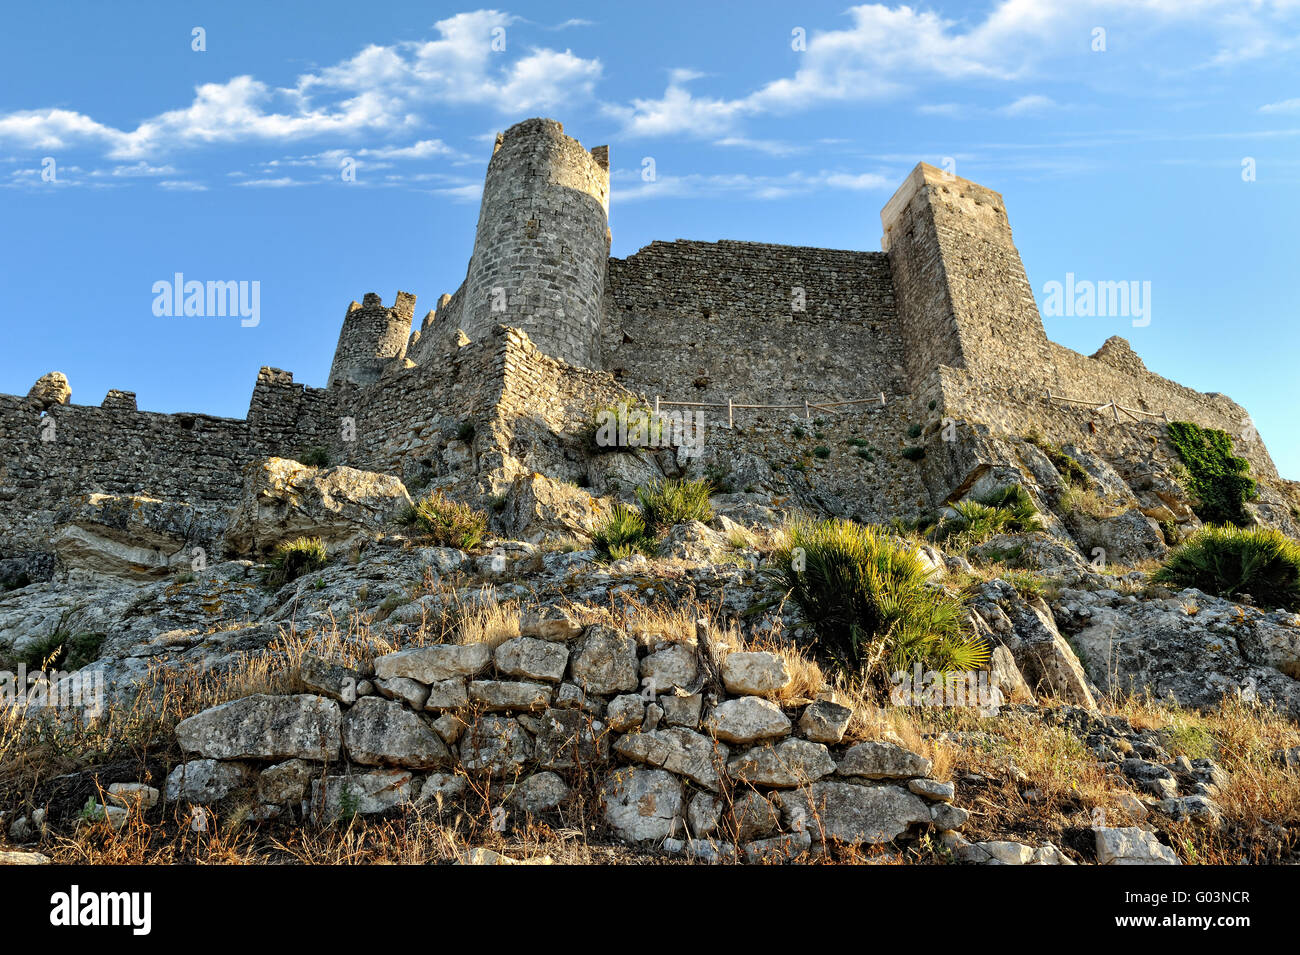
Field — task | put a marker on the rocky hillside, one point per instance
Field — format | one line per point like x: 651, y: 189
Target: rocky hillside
x: 487, y: 680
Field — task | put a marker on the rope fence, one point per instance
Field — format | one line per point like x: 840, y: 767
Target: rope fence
x: 808, y: 407
x: 1113, y: 406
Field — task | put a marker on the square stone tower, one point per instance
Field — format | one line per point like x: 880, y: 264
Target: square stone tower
x: 962, y: 294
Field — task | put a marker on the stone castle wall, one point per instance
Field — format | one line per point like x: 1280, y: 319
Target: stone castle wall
x: 756, y: 323
x: 943, y: 322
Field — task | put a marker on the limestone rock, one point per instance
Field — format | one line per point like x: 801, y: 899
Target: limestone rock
x: 533, y: 658
x: 642, y: 804
x: 747, y: 719
x: 265, y: 727
x: 433, y: 664
x: 678, y: 750
x: 538, y: 508
x: 497, y: 745
x: 568, y: 738
x: 792, y: 762
x: 286, y: 783
x: 494, y: 695
x: 411, y: 692
x: 331, y: 678
x: 283, y: 499
x: 755, y: 674
x: 338, y: 797
x: 378, y: 732
x: 539, y: 792
x: 206, y: 780
x: 604, y: 661
x: 881, y: 759
x: 675, y: 666
x: 932, y: 789
x: 129, y: 536
x: 852, y: 813
x: 824, y: 722
x: 1131, y: 846
x: 625, y: 712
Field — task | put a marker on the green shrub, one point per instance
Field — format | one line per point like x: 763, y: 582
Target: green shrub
x: 869, y: 601
x: 1008, y: 511
x: 622, y: 534
x: 720, y: 478
x: 465, y: 432
x: 1228, y: 561
x: 913, y: 453
x: 621, y: 426
x: 444, y: 522
x: 1219, y: 480
x: 668, y: 502
x: 822, y: 452
x: 316, y: 457
x: 914, y: 431
x: 62, y: 651
x: 294, y: 558
x: 1071, y: 471
x: 798, y: 432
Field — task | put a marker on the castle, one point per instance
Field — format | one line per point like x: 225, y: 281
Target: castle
x: 941, y: 325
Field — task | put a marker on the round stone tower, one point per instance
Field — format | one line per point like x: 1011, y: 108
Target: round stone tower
x: 372, y: 336
x: 542, y: 243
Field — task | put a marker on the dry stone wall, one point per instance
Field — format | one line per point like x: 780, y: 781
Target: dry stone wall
x: 679, y: 743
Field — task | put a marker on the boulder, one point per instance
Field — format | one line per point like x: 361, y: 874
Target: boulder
x: 604, y: 661
x: 130, y: 536
x: 747, y: 719
x: 265, y: 727
x: 852, y: 813
x: 642, y: 804
x: 539, y: 792
x: 755, y: 674
x: 50, y: 389
x: 569, y: 737
x: 379, y: 732
x: 283, y: 499
x: 792, y: 762
x: 494, y: 695
x: 538, y: 508
x: 434, y: 664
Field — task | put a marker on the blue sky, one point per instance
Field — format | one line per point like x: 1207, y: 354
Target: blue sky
x: 1127, y: 163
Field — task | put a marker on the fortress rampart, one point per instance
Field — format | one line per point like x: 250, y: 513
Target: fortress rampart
x: 547, y: 326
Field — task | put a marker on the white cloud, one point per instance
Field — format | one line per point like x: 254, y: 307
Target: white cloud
x: 381, y: 90
x: 1285, y: 106
x: 887, y: 51
x: 1031, y: 105
x: 182, y: 185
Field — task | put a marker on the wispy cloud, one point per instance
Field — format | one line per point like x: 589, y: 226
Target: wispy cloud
x: 746, y: 186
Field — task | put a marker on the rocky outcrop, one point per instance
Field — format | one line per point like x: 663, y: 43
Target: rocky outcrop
x: 132, y: 536
x: 283, y: 500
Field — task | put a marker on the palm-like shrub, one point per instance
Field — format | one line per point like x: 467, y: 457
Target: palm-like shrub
x: 294, y: 558
x: 1008, y: 511
x: 622, y: 534
x: 445, y: 522
x: 1228, y: 561
x: 870, y: 603
x: 668, y: 502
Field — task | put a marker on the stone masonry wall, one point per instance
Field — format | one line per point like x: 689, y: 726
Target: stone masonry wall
x: 705, y: 321
x: 371, y: 337
x: 542, y: 242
